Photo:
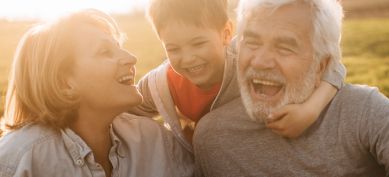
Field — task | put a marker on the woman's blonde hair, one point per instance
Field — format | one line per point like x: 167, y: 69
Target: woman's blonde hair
x: 42, y: 62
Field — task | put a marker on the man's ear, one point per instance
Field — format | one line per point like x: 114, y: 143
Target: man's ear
x: 322, y: 68
x: 227, y: 32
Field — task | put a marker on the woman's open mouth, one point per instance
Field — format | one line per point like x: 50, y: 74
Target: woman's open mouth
x: 126, y: 80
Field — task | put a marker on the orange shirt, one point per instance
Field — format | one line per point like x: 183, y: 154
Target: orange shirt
x: 190, y: 100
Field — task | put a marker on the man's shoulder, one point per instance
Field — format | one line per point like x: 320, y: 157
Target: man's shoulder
x: 361, y: 101
x: 233, y: 108
x: 360, y: 94
x: 230, y: 116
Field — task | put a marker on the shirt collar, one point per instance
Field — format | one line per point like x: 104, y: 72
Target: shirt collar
x: 118, y: 144
x: 77, y: 148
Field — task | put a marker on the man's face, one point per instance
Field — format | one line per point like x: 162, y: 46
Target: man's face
x: 276, y: 65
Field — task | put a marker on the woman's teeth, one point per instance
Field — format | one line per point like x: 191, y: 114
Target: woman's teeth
x: 129, y: 79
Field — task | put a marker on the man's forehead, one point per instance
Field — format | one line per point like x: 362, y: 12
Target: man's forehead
x: 298, y: 13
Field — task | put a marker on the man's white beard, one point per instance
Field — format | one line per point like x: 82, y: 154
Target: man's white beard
x: 294, y: 92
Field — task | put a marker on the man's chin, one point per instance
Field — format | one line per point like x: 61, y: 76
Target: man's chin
x: 257, y: 110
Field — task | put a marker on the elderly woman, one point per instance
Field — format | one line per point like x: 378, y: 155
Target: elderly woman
x: 70, y: 82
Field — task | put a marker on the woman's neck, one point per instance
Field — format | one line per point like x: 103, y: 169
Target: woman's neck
x: 94, y: 128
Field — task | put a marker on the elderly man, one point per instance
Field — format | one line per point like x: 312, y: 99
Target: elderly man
x: 284, y: 47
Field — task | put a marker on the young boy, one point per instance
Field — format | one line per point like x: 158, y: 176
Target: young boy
x: 200, y: 73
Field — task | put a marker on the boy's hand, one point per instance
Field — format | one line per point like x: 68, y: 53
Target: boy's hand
x: 291, y: 120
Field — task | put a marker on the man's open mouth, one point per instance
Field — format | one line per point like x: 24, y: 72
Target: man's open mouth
x: 266, y: 89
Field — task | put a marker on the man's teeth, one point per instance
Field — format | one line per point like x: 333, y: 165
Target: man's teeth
x: 126, y: 79
x: 264, y: 82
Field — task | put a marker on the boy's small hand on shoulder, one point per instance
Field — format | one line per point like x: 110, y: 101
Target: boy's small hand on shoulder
x: 291, y: 120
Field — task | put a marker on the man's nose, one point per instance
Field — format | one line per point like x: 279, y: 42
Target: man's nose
x: 263, y: 59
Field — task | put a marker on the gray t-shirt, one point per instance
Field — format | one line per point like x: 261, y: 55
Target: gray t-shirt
x: 350, y: 138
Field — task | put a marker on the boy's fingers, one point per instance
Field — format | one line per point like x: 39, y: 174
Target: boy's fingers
x: 277, y: 126
x: 278, y: 114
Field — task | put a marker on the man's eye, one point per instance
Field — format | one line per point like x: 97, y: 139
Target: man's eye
x: 285, y: 51
x: 198, y: 44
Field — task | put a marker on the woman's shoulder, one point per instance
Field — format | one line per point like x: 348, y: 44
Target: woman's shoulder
x: 140, y: 124
x: 16, y: 144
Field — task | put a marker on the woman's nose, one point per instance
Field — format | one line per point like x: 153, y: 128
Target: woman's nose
x: 127, y: 58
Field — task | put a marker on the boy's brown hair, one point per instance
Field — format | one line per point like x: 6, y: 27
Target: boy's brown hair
x: 202, y: 13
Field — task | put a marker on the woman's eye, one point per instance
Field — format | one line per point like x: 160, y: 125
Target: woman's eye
x: 105, y: 52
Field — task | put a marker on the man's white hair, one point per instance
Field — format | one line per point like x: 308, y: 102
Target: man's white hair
x: 327, y: 24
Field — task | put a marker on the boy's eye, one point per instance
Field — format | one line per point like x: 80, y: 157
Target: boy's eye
x: 171, y: 50
x: 252, y: 44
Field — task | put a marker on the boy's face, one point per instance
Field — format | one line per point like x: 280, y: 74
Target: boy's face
x: 196, y: 53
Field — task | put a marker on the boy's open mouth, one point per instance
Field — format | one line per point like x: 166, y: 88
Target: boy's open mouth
x: 196, y: 69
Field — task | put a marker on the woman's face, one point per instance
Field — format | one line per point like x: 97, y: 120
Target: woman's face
x: 103, y: 72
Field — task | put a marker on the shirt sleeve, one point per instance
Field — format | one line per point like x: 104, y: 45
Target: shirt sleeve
x: 335, y: 74
x: 147, y: 108
x: 374, y: 128
x: 5, y: 171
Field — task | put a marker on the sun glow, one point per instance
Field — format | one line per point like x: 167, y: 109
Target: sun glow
x: 48, y: 9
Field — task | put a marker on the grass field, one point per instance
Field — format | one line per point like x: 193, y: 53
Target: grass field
x: 365, y: 48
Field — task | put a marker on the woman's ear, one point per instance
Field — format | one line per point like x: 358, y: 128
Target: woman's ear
x: 69, y: 87
x: 227, y: 32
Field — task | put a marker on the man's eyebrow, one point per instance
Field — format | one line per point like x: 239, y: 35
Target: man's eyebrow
x: 250, y: 34
x: 288, y: 41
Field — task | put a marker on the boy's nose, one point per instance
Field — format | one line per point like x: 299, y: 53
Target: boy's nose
x: 188, y: 59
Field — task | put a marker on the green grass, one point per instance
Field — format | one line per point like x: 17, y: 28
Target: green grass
x: 365, y: 48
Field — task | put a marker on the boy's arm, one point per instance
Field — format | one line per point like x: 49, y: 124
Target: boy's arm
x: 336, y: 75
x: 292, y: 120
x: 147, y: 108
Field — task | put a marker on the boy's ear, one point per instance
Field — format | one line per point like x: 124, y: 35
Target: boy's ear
x: 227, y: 32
